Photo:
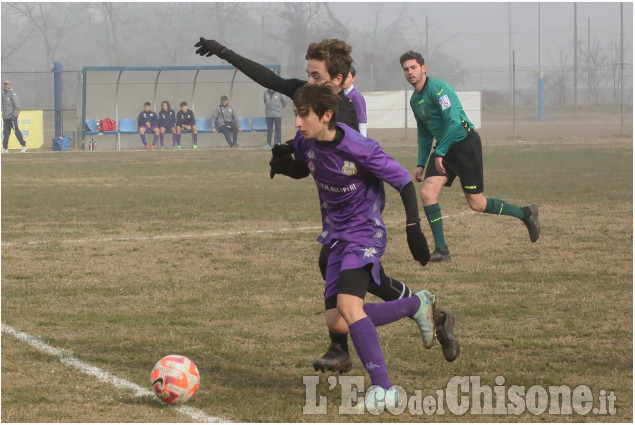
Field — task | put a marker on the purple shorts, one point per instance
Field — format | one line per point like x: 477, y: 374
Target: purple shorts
x: 346, y: 256
x: 151, y: 128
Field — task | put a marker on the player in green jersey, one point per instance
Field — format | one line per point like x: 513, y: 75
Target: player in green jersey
x: 458, y: 152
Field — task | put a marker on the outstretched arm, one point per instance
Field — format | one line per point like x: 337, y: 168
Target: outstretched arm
x: 257, y: 72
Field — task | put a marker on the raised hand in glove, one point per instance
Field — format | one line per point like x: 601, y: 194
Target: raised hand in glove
x: 417, y: 243
x: 209, y: 48
x: 281, y: 159
x: 282, y: 162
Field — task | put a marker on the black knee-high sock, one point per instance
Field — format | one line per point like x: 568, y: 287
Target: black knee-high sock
x: 341, y: 339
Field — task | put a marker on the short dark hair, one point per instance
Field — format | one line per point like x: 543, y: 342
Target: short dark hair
x: 320, y: 98
x: 353, y: 72
x: 411, y: 54
x: 336, y: 55
x: 147, y: 104
x: 184, y: 103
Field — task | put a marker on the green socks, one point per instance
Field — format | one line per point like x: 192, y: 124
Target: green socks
x: 496, y: 206
x: 433, y: 214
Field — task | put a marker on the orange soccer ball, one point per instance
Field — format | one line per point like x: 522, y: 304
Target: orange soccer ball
x: 175, y: 379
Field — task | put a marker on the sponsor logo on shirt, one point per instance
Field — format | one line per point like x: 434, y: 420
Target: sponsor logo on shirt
x: 444, y: 101
x: 349, y: 168
x: 335, y: 189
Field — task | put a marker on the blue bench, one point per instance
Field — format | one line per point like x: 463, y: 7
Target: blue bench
x: 259, y: 124
x: 127, y: 126
x: 243, y: 122
x: 204, y: 125
x: 90, y: 128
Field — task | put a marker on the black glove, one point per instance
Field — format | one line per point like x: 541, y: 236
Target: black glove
x: 209, y: 48
x: 281, y: 161
x: 282, y: 149
x: 417, y: 243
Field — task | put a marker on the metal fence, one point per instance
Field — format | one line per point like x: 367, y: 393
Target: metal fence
x: 598, y: 97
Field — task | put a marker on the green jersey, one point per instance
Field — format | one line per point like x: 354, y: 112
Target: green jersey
x: 439, y: 116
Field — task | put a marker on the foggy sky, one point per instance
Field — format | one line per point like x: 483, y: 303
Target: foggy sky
x: 477, y: 32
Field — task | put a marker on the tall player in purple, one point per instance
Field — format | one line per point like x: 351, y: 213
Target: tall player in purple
x: 348, y: 170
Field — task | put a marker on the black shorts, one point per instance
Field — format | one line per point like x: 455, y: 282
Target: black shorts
x: 465, y: 160
x: 352, y: 282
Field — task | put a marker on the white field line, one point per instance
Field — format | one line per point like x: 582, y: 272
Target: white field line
x: 103, y: 376
x: 189, y: 236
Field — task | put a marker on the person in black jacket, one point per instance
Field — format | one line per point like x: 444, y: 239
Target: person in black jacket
x: 339, y: 62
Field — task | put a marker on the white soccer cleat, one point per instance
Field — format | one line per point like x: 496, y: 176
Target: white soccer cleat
x: 24, y: 149
x: 5, y: 150
x: 377, y: 399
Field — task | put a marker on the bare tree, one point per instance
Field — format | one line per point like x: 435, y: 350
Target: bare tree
x: 558, y: 77
x: 297, y: 20
x: 110, y: 14
x: 51, y: 20
x: 596, y: 59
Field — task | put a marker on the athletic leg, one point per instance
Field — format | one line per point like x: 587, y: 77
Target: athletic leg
x: 278, y: 130
x: 18, y: 133
x: 270, y: 122
x: 6, y: 132
x: 430, y: 197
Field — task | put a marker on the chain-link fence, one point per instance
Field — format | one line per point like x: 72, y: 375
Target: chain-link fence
x: 598, y: 97
x: 36, y: 92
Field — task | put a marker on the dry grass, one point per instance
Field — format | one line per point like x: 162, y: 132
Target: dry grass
x: 123, y: 258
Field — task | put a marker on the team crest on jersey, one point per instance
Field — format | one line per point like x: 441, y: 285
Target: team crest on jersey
x: 310, y: 154
x: 349, y: 168
x: 311, y: 167
x: 444, y: 101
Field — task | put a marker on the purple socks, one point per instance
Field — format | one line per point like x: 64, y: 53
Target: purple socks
x: 366, y: 341
x: 391, y: 311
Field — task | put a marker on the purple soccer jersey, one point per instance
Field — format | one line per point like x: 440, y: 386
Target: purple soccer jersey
x: 348, y: 178
x: 360, y: 104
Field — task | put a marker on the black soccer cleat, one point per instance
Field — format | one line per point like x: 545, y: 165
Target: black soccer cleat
x: 444, y: 327
x: 334, y: 360
x: 531, y: 221
x: 439, y: 255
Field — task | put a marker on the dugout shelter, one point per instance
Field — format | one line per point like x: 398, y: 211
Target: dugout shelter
x: 120, y: 92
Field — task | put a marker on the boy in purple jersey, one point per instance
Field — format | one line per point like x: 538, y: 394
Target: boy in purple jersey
x: 358, y: 101
x: 167, y: 121
x: 348, y: 170
x: 185, y: 120
x: 328, y: 62
x: 147, y: 122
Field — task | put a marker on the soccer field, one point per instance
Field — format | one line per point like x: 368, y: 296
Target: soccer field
x: 112, y: 260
